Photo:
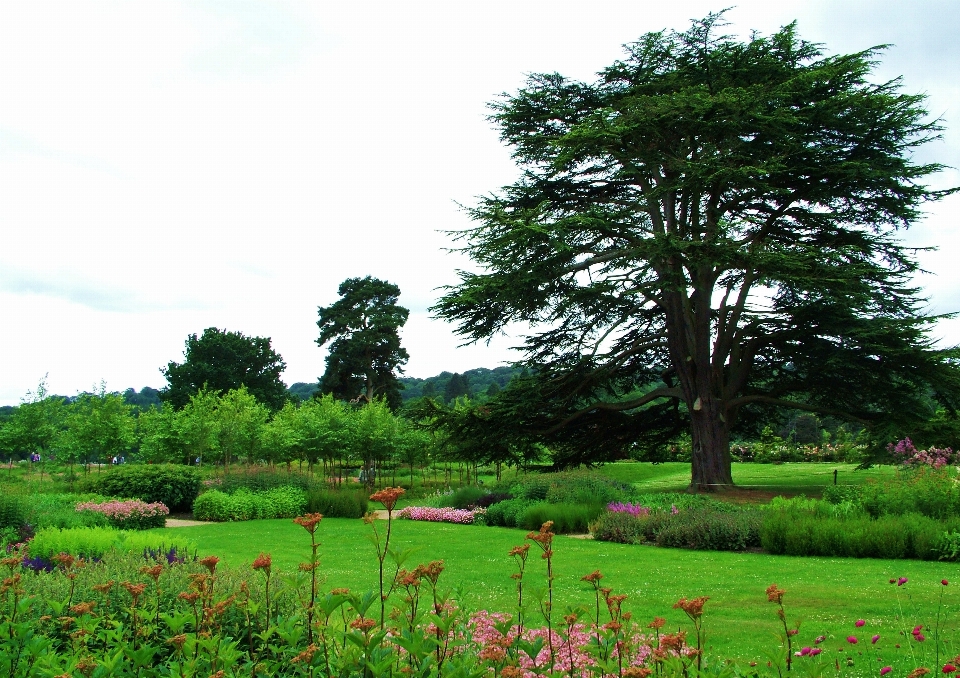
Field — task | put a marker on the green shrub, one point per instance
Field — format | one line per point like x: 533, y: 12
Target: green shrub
x: 13, y: 511
x: 95, y: 542
x: 567, y: 518
x: 569, y: 487
x: 60, y: 511
x: 338, y: 503
x: 280, y: 502
x: 804, y: 533
x: 709, y: 530
x: 465, y: 497
x: 505, y: 513
x: 617, y: 526
x: 175, y: 486
x: 263, y: 479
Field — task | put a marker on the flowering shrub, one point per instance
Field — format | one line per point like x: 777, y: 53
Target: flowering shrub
x: 905, y: 453
x: 442, y: 515
x: 634, y: 510
x: 131, y: 514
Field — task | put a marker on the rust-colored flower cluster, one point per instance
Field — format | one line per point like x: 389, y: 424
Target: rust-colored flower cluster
x: 388, y: 496
x: 693, y: 607
x: 263, y: 562
x: 775, y: 594
x: 544, y: 539
x: 309, y: 521
x: 210, y: 562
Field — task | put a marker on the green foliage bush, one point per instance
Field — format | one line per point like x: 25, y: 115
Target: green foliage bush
x: 567, y: 518
x: 338, y: 503
x: 930, y: 492
x: 60, y: 511
x: 175, y: 486
x: 710, y: 530
x: 798, y: 532
x: 12, y: 511
x: 465, y: 497
x: 571, y: 487
x: 505, y: 513
x: 279, y: 502
x: 95, y: 542
x: 618, y: 527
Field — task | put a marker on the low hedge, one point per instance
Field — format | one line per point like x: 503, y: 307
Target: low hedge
x: 703, y: 528
x: 174, y: 486
x: 338, y: 503
x: 279, y: 502
x: 95, y: 542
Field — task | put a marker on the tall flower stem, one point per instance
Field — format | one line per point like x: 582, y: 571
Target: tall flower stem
x: 388, y: 497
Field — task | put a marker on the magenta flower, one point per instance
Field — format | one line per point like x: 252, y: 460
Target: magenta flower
x: 949, y: 668
x: 804, y: 651
x: 852, y: 640
x: 875, y: 639
x: 819, y: 640
x: 919, y: 637
x: 815, y: 651
x: 885, y: 670
x: 859, y: 623
x: 901, y: 581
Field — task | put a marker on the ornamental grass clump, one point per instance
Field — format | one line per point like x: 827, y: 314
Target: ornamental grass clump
x: 131, y: 514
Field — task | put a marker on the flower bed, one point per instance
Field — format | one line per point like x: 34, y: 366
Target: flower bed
x: 131, y: 514
x: 442, y: 515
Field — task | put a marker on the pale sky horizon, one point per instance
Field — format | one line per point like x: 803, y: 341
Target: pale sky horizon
x: 171, y: 166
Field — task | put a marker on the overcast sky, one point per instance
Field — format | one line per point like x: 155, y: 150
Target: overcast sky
x: 167, y: 167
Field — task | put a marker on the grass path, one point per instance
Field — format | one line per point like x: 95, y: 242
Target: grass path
x: 828, y: 594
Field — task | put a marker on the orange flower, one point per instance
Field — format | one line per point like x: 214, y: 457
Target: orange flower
x: 636, y: 672
x: 306, y: 656
x: 135, y: 590
x: 388, y: 496
x: 916, y: 673
x: 774, y: 594
x: 657, y: 623
x: 104, y: 588
x: 210, y: 562
x: 82, y: 608
x: 693, y: 608
x: 593, y: 577
x: 340, y: 592
x: 154, y: 571
x: 309, y: 521
x: 520, y: 551
x: 178, y: 640
x: 363, y: 624
x: 263, y: 562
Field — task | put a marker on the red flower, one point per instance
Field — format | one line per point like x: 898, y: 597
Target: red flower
x: 949, y: 668
x: 944, y: 582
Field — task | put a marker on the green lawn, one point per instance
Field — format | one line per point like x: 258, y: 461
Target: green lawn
x: 809, y: 479
x: 827, y: 594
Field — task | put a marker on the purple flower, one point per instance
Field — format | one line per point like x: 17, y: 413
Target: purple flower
x: 875, y: 639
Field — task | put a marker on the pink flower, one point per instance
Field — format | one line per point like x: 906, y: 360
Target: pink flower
x: 819, y: 640
x: 804, y: 652
x: 885, y: 670
x: 901, y: 581
x: 949, y: 668
x: 859, y: 623
x: 852, y: 640
x: 875, y: 639
x: 815, y: 651
x: 919, y: 637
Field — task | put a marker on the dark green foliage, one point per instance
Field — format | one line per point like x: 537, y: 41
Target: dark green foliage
x: 457, y: 387
x: 365, y: 354
x: 464, y: 497
x: 567, y: 518
x: 146, y: 398
x: 12, y: 510
x: 802, y: 533
x: 302, y: 391
x: 60, y: 511
x: 705, y: 235
x: 174, y: 486
x: 481, y: 381
x: 338, y: 503
x: 492, y: 498
x: 708, y: 530
x: 619, y: 527
x: 222, y: 361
